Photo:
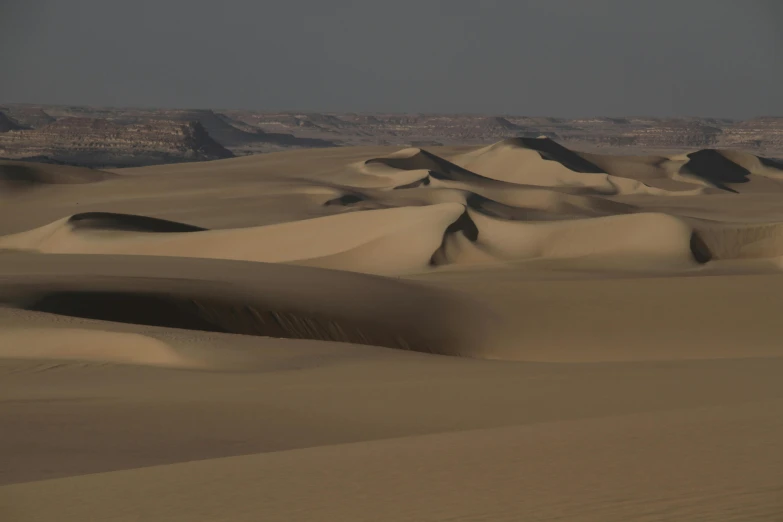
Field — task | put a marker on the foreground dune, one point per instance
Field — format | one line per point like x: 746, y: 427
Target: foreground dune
x: 512, y: 332
x: 545, y: 471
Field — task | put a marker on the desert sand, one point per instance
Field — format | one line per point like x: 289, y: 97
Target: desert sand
x: 505, y: 333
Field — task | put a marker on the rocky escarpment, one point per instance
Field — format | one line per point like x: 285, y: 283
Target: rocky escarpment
x: 399, y: 129
x: 223, y: 129
x: 647, y: 133
x: 411, y: 129
x: 758, y: 133
x: 665, y: 134
x: 101, y: 143
x: 28, y: 117
x: 8, y: 124
x: 250, y: 132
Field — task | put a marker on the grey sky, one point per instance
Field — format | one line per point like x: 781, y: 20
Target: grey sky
x: 542, y: 57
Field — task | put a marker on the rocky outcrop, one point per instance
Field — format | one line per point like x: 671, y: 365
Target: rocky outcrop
x: 8, y: 124
x: 222, y: 128
x: 101, y: 143
x: 28, y: 117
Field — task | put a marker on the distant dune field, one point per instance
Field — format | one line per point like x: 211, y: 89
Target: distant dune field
x: 510, y: 332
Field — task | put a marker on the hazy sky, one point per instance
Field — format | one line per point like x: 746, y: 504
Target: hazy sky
x: 542, y: 57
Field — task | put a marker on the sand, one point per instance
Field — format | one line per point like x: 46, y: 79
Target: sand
x: 512, y: 332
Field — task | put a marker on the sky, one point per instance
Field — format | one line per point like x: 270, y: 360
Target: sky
x: 563, y: 58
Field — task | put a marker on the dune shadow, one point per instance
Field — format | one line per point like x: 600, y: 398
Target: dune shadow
x: 20, y: 175
x: 28, y: 176
x: 464, y: 225
x: 345, y: 200
x: 120, y: 307
x: 418, y: 183
x: 553, y: 151
x: 772, y: 163
x: 701, y: 252
x: 710, y: 165
x: 497, y: 210
x: 209, y: 315
x: 439, y: 168
x: 128, y: 223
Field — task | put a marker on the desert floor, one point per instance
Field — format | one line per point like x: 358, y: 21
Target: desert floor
x: 509, y: 333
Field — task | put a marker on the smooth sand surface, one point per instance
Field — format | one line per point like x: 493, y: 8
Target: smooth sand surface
x: 513, y: 332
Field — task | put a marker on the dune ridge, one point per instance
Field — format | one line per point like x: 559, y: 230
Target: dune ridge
x: 20, y: 174
x: 270, y: 300
x: 516, y: 200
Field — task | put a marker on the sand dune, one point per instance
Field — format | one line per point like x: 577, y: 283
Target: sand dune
x: 395, y: 240
x: 520, y: 471
x: 386, y: 241
x: 89, y: 345
x: 511, y: 332
x: 516, y: 162
x: 19, y: 174
x: 656, y: 241
x: 272, y: 300
x: 742, y: 241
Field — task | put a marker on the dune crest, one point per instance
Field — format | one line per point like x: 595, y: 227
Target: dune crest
x: 557, y: 167
x: 413, y: 211
x: 394, y: 240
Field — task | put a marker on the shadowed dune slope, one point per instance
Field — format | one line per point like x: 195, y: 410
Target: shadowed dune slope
x: 129, y: 223
x: 272, y: 300
x: 733, y: 171
x: 421, y: 160
x: 27, y: 174
x: 742, y: 241
x: 552, y: 151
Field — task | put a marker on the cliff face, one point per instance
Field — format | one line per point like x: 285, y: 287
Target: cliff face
x: 101, y: 143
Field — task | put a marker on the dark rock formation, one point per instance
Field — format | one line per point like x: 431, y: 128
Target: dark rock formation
x: 8, y: 124
x: 29, y: 117
x: 102, y: 143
